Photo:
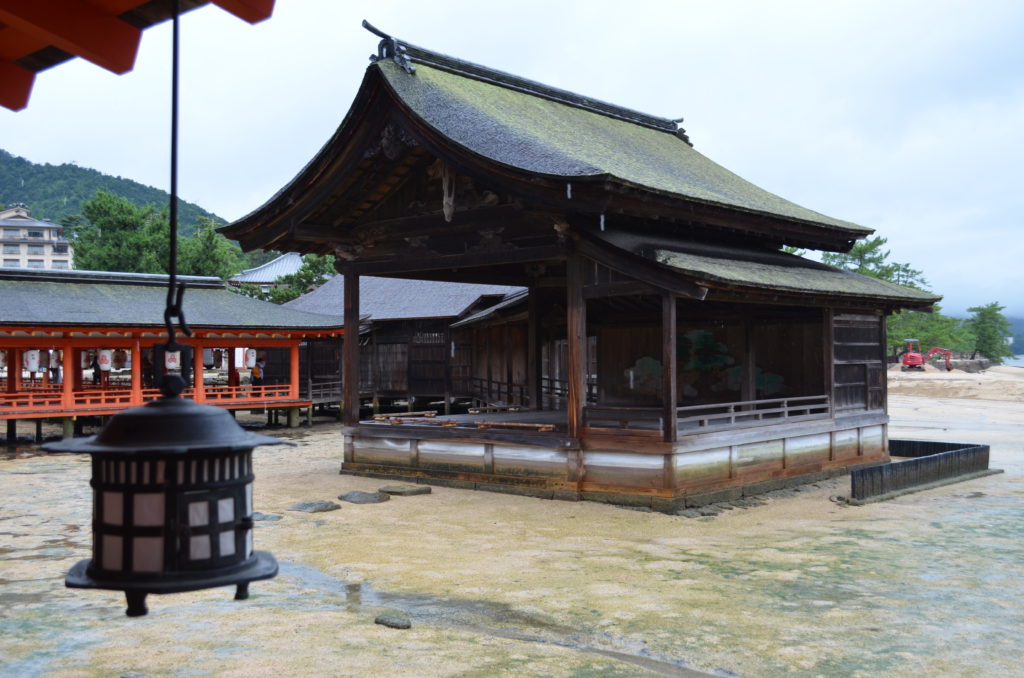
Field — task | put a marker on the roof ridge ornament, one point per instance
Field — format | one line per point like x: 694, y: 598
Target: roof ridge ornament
x: 389, y: 48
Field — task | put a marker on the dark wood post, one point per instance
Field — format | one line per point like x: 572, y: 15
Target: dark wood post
x: 533, y: 371
x: 576, y: 349
x: 670, y: 426
x: 350, y: 352
x: 748, y: 389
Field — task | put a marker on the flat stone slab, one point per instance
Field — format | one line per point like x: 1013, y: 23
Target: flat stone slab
x: 358, y: 497
x: 314, y: 506
x: 405, y: 490
x: 269, y: 517
x: 393, y: 622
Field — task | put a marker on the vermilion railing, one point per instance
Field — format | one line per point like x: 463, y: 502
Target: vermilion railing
x: 44, y: 400
x: 37, y: 398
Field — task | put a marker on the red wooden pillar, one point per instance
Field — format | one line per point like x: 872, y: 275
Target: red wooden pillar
x: 68, y: 365
x: 293, y: 372
x: 14, y: 370
x: 136, y: 350
x: 350, y: 352
x: 198, y: 382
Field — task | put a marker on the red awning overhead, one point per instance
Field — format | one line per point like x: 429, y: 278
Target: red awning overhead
x: 36, y: 35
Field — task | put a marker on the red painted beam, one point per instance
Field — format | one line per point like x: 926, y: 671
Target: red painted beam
x: 15, y: 85
x: 77, y: 28
x: 252, y: 11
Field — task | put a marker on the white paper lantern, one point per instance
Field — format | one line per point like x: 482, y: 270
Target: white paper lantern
x: 122, y: 359
x: 172, y: 360
x: 31, y: 360
x: 86, y: 359
x: 207, y: 357
x: 3, y: 359
x: 105, y: 359
x: 250, y: 357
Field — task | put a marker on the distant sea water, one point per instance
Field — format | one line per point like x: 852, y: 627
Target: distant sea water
x: 1015, y: 361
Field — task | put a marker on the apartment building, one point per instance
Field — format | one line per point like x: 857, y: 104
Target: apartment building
x: 31, y: 243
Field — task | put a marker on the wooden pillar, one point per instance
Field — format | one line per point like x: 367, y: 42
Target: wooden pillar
x: 350, y: 352
x: 509, y: 379
x: 76, y: 369
x: 293, y: 373
x: 67, y: 387
x: 576, y: 350
x: 748, y: 389
x: 13, y: 370
x: 488, y: 356
x: 669, y: 371
x: 533, y: 367
x: 828, y: 338
x: 231, y: 365
x: 39, y: 431
x: 137, y: 360
x: 198, y: 374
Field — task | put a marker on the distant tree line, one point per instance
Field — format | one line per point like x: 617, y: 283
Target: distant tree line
x: 112, y: 233
x: 984, y: 333
x: 55, y: 192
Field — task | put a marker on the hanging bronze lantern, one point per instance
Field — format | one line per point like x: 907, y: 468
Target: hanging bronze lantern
x: 172, y: 503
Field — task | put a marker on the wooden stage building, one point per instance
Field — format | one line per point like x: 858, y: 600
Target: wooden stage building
x: 666, y: 349
x: 79, y: 343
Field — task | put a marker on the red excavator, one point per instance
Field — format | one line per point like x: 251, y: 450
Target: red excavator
x: 913, y: 360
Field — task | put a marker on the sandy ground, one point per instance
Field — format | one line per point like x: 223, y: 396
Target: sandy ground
x: 931, y: 583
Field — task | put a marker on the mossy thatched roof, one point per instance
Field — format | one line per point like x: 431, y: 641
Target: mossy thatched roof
x: 558, y: 138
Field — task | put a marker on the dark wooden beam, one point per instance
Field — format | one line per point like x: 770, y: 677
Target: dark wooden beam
x: 350, y: 352
x: 533, y: 350
x: 413, y: 264
x: 618, y: 289
x: 576, y: 350
x: 640, y: 269
x: 670, y: 424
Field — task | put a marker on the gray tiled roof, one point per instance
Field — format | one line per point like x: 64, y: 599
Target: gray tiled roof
x: 286, y: 264
x: 101, y: 299
x: 787, y: 273
x: 397, y: 298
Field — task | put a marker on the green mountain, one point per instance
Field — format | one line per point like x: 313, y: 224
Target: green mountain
x: 53, y: 192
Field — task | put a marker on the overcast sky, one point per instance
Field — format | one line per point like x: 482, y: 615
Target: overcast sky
x: 907, y: 117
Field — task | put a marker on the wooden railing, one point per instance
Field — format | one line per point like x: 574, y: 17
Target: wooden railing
x: 35, y: 399
x: 718, y: 415
x: 489, y: 390
x: 752, y: 412
x: 51, y: 399
x: 321, y: 391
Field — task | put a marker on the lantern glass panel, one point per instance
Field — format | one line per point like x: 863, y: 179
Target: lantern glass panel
x: 148, y: 554
x: 198, y: 513
x: 199, y: 547
x: 227, y: 544
x: 113, y: 508
x: 248, y: 543
x: 226, y: 510
x: 248, y: 499
x: 149, y: 509
x: 113, y: 555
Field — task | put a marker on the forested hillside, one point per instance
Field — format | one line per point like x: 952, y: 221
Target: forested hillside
x: 53, y: 192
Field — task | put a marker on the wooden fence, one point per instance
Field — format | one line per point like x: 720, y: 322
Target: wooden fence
x: 931, y: 462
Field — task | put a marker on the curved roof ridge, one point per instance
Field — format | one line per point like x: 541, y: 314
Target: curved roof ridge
x: 403, y: 53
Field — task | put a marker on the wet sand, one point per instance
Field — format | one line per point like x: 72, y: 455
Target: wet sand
x: 931, y: 583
